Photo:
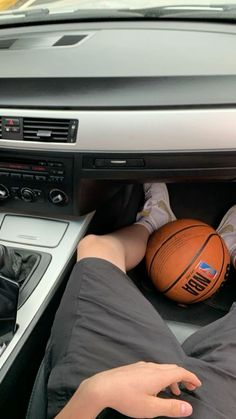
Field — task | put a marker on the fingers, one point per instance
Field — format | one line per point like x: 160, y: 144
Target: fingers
x: 171, y: 376
x: 189, y: 386
x: 178, y: 374
x: 167, y: 407
x: 175, y: 389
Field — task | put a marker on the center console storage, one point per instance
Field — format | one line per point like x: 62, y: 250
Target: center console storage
x: 32, y: 231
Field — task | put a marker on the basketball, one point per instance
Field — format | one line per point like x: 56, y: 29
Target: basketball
x: 187, y: 260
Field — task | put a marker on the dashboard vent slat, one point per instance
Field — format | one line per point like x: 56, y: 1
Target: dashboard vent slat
x: 33, y: 128
x: 50, y: 130
x: 68, y: 40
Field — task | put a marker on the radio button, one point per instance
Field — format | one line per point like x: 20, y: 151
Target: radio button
x: 4, y: 193
x: 41, y: 178
x: 27, y: 195
x: 57, y: 179
x: 55, y: 164
x: 28, y: 177
x: 58, y: 197
x: 57, y: 172
x: 16, y: 175
x: 15, y: 129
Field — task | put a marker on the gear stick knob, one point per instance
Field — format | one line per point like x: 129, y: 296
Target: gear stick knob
x: 10, y: 263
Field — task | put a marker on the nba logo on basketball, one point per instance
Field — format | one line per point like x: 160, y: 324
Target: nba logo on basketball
x: 206, y: 270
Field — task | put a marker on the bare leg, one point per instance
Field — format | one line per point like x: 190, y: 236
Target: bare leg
x: 124, y: 248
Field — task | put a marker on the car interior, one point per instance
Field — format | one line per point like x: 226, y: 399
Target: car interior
x: 90, y: 110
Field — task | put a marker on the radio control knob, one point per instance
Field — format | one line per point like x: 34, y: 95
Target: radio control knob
x: 58, y: 197
x: 27, y: 195
x: 4, y: 193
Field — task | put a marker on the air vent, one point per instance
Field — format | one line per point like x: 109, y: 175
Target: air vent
x: 50, y: 130
x: 6, y: 43
x: 68, y: 40
x: 0, y: 127
x: 40, y: 41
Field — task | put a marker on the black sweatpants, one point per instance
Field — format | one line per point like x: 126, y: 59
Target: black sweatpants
x: 104, y: 321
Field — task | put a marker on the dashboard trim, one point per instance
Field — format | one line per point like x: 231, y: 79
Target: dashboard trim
x: 138, y: 130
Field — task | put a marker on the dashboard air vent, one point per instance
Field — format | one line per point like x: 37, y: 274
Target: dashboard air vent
x: 68, y: 40
x: 50, y: 130
x: 6, y: 43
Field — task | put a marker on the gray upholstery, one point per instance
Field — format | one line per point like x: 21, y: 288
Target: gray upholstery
x: 182, y: 330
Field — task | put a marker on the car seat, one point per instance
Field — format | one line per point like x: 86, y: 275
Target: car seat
x: 37, y: 408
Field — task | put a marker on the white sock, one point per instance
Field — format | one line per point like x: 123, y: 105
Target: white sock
x: 233, y: 257
x: 156, y: 211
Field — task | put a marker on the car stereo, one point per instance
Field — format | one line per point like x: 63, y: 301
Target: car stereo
x: 36, y: 184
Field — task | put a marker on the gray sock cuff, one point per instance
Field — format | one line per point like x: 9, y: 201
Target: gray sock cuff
x: 146, y: 223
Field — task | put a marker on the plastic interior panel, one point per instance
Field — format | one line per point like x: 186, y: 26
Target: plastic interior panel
x: 33, y: 231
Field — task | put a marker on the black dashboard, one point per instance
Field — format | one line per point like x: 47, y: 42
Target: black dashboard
x: 170, y: 92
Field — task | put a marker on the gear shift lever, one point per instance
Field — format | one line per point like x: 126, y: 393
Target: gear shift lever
x: 10, y: 263
x: 15, y: 267
x: 16, y: 264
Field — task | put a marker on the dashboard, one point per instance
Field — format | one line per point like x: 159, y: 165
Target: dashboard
x: 113, y: 101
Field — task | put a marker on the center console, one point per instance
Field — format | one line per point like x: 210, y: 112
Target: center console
x: 52, y: 244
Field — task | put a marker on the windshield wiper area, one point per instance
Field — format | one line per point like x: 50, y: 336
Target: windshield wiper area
x: 195, y: 11
x: 24, y: 14
x: 46, y: 15
x: 184, y: 11
x: 32, y: 12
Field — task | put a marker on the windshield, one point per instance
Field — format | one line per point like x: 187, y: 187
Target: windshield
x: 40, y: 10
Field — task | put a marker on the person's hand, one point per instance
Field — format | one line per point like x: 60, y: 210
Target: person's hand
x: 132, y: 390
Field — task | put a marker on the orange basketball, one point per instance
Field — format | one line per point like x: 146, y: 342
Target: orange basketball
x: 187, y: 260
